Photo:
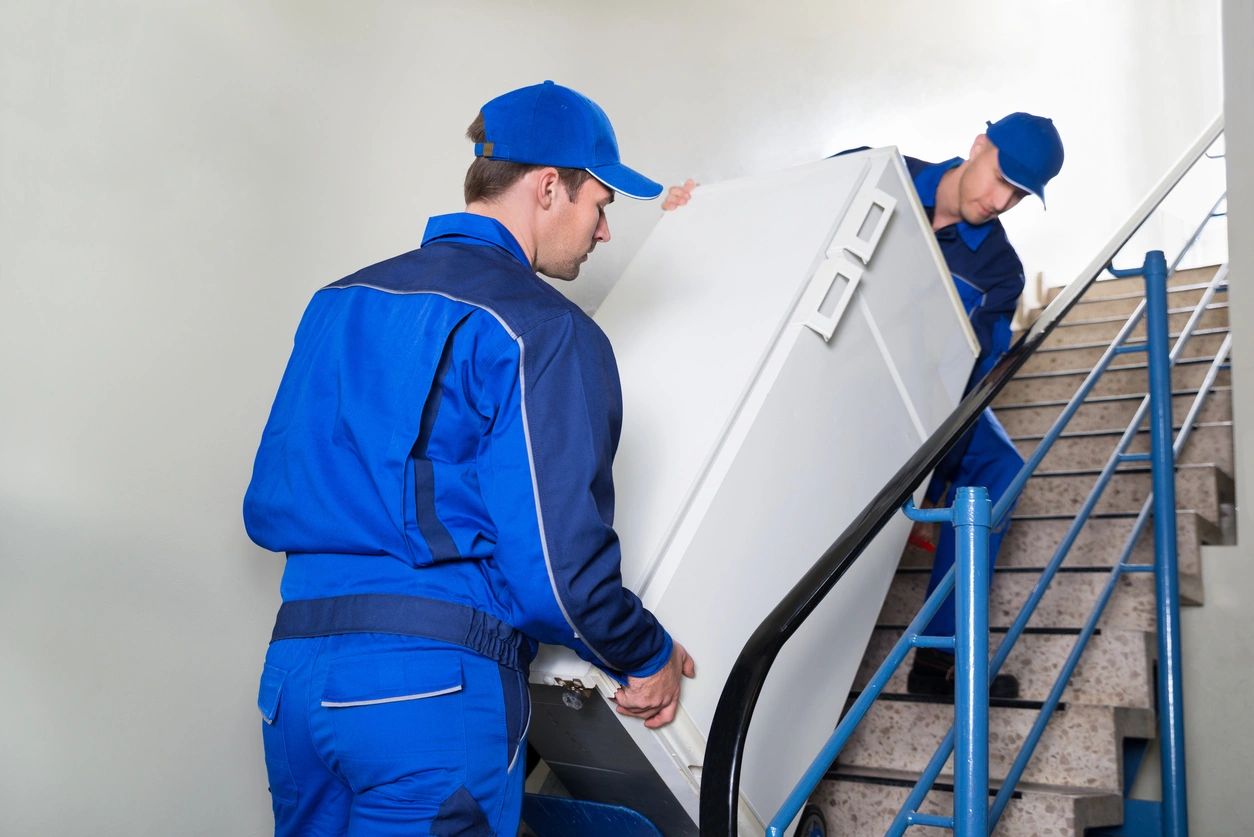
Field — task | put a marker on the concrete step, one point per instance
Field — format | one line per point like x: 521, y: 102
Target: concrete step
x: 1105, y: 412
x: 1073, y: 331
x: 1116, y: 669
x: 1067, y: 604
x: 863, y: 803
x: 1201, y: 343
x: 1031, y: 542
x: 1207, y: 443
x: 1081, y: 746
x: 1107, y: 287
x: 1181, y: 296
x: 1188, y: 373
x: 1200, y: 488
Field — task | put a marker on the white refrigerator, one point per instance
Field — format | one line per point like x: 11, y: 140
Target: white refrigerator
x: 785, y: 343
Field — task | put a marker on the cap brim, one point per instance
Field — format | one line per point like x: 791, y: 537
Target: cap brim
x: 627, y: 181
x: 1016, y: 176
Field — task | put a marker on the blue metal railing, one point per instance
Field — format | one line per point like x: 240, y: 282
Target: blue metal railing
x: 725, y: 744
x: 1154, y: 309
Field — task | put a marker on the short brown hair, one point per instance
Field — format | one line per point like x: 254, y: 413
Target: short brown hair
x: 487, y: 179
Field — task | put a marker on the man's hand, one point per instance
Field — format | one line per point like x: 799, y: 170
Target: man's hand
x: 679, y: 195
x: 656, y: 698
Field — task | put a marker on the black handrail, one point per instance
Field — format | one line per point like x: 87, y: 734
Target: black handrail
x: 724, y: 752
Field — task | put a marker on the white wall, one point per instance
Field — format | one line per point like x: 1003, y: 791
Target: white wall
x: 177, y: 177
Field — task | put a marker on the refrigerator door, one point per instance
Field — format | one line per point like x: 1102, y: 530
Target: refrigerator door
x: 785, y: 343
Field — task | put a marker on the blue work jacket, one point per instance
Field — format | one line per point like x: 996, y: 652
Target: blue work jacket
x: 985, y: 267
x: 445, y: 428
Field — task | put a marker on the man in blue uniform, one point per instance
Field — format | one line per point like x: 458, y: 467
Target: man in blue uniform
x: 437, y: 468
x: 1017, y: 155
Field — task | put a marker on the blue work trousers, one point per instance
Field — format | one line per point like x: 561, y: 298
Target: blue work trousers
x: 990, y: 460
x: 377, y: 734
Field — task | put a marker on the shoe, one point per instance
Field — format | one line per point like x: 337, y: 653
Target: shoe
x: 933, y: 674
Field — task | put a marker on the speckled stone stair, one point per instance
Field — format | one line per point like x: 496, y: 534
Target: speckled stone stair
x: 1116, y: 670
x: 1031, y: 542
x: 863, y: 803
x: 1208, y: 443
x: 1067, y: 603
x: 1198, y: 487
x: 1106, y: 287
x: 1081, y: 746
x: 1079, y: 331
x: 1102, y: 413
x: 1034, y: 387
x: 1180, y: 296
x: 1201, y: 343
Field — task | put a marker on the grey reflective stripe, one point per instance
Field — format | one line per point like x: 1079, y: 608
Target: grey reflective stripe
x: 535, y: 490
x: 337, y: 704
x: 521, y: 740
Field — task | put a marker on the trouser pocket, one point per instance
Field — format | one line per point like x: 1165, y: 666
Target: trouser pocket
x: 517, y: 697
x: 398, y: 715
x: 278, y: 765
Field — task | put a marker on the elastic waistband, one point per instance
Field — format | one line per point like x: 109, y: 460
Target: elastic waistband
x: 379, y: 613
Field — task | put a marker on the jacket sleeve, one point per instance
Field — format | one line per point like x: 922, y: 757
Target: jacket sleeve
x: 552, y: 403
x: 991, y: 320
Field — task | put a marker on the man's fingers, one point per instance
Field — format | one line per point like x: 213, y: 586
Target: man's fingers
x: 632, y: 712
x: 690, y: 666
x: 663, y: 717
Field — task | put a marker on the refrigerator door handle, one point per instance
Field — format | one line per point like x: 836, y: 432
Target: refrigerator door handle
x: 848, y: 237
x: 823, y: 318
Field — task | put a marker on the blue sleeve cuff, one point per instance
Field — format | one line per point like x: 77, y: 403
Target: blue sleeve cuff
x: 658, y: 661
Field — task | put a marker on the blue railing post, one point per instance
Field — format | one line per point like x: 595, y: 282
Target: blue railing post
x: 971, y: 516
x: 1170, y: 707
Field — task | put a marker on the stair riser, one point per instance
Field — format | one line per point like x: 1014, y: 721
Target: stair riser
x: 1067, y: 604
x: 1024, y: 390
x: 1108, y: 287
x: 1198, y: 345
x: 1211, y: 445
x: 1176, y: 298
x: 864, y: 809
x: 1196, y: 489
x: 1079, y: 748
x: 1076, y: 332
x: 1107, y: 415
x: 1115, y: 670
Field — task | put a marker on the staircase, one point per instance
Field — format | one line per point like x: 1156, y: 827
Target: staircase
x: 1077, y: 778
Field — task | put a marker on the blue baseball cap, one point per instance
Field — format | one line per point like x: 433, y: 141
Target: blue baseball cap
x: 551, y: 125
x: 1029, y: 150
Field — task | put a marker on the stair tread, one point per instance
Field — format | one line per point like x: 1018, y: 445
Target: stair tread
x: 1123, y: 318
x: 1101, y: 399
x: 1102, y: 344
x: 1111, y: 431
x: 948, y: 700
x: 1193, y: 286
x: 907, y: 778
x: 1059, y: 373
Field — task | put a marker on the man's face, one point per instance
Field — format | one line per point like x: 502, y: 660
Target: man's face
x: 572, y: 229
x: 983, y: 192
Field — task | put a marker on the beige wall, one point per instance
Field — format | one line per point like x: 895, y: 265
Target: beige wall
x: 177, y: 177
x: 1217, y: 638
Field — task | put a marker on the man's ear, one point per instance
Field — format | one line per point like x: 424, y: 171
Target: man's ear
x: 548, y: 185
x: 981, y: 143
